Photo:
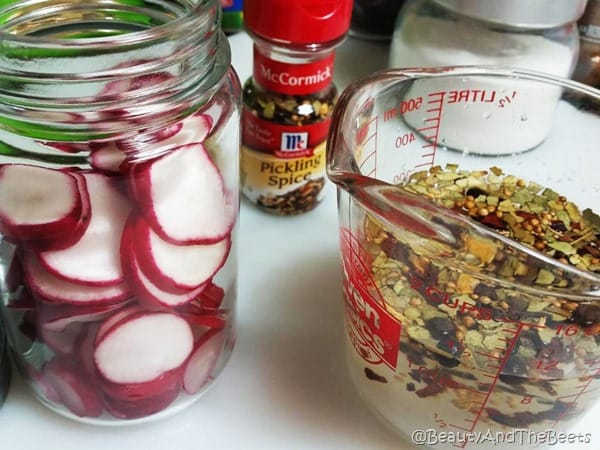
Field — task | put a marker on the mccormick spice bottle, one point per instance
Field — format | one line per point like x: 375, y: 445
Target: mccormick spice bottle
x: 288, y: 101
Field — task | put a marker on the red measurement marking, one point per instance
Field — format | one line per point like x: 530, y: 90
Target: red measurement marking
x: 577, y: 396
x: 495, y: 377
x: 369, y: 164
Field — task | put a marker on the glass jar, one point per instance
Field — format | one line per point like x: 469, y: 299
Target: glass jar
x: 5, y: 369
x: 438, y: 33
x: 587, y: 69
x: 288, y: 101
x: 119, y: 178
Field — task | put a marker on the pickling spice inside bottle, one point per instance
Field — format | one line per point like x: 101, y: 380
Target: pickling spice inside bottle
x: 288, y: 100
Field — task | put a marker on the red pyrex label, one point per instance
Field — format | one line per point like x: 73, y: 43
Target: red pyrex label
x: 293, y: 79
x: 373, y: 331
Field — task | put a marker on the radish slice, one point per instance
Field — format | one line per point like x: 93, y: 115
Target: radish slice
x: 183, y: 196
x: 143, y: 347
x: 94, y: 259
x: 62, y: 342
x: 73, y: 388
x: 202, y: 361
x: 37, y: 203
x: 141, y: 407
x: 56, y: 318
x: 146, y: 291
x: 49, y: 288
x: 178, y: 266
x: 210, y: 300
x: 191, y: 130
x: 107, y: 158
x: 168, y: 381
x: 109, y: 322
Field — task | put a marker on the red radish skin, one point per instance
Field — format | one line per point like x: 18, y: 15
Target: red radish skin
x: 179, y: 267
x: 191, y: 130
x: 84, y: 348
x: 144, y: 289
x: 94, y: 260
x: 141, y: 407
x: 107, y: 157
x: 143, y: 347
x: 73, y: 388
x: 210, y: 300
x: 37, y: 203
x: 109, y: 322
x: 46, y: 287
x: 73, y: 235
x: 136, y: 391
x: 57, y: 317
x: 183, y: 197
x: 202, y: 361
x: 216, y: 321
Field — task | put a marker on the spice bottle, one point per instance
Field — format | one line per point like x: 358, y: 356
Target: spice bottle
x: 543, y: 36
x: 288, y: 100
x: 587, y: 69
x: 118, y: 262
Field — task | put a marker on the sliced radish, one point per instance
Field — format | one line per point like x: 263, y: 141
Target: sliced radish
x: 37, y: 203
x: 144, y: 289
x: 49, y: 288
x: 107, y: 157
x: 62, y: 342
x: 177, y: 266
x: 202, y: 361
x: 141, y: 407
x: 143, y: 348
x: 216, y: 321
x: 183, y: 196
x: 56, y: 318
x: 191, y: 130
x: 210, y: 299
x: 115, y: 318
x: 94, y: 259
x: 73, y: 388
x: 84, y: 348
x: 168, y: 381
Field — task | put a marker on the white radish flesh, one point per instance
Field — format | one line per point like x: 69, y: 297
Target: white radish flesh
x: 202, y: 361
x: 180, y: 266
x: 144, y: 288
x: 37, y: 203
x: 94, y: 260
x: 183, y: 196
x: 143, y: 347
x: 49, y: 288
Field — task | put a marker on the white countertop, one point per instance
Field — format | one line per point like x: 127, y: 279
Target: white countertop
x: 286, y: 385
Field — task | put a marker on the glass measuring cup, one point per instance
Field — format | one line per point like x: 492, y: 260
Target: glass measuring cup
x: 469, y: 251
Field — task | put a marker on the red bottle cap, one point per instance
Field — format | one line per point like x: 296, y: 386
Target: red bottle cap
x: 298, y: 21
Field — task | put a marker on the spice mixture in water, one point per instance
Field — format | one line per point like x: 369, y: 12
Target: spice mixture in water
x: 496, y: 355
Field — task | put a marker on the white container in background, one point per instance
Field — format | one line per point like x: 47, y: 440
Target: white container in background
x: 542, y: 36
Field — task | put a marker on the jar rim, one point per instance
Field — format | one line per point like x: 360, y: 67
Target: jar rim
x: 193, y: 18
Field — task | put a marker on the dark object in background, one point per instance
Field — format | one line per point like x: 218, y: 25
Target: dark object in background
x: 374, y: 19
x: 587, y: 69
x: 4, y: 367
x: 233, y: 17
